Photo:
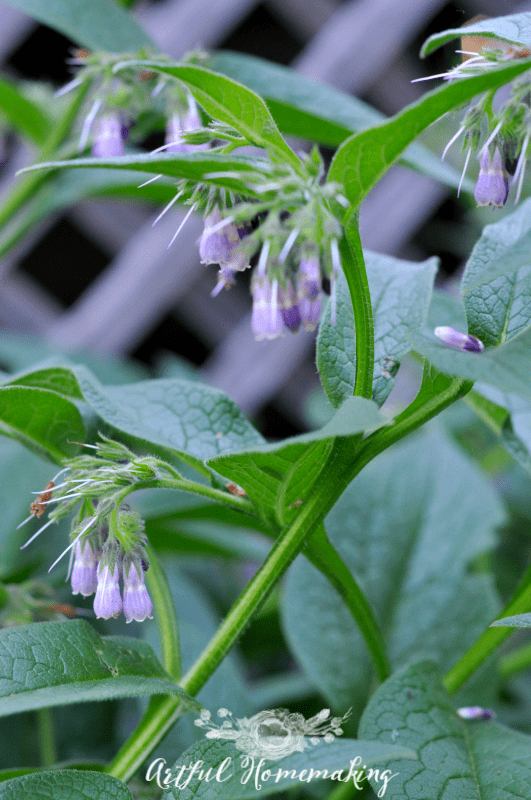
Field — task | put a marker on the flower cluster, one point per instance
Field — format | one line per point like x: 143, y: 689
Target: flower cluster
x: 284, y: 216
x: 508, y: 129
x: 108, y: 541
x: 284, y: 220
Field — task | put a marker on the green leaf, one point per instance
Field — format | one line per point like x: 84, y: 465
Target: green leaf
x: 237, y: 778
x: 57, y: 379
x: 57, y: 663
x: 277, y: 477
x: 65, y: 785
x: 230, y: 102
x: 44, y: 421
x: 496, y: 285
x: 98, y: 25
x: 514, y: 28
x: 505, y: 367
x: 192, y: 166
x: 407, y: 527
x: 364, y: 158
x: 184, y: 418
x: 303, y: 107
x: 457, y: 758
x: 400, y: 294
x: 518, y: 621
x: 24, y: 115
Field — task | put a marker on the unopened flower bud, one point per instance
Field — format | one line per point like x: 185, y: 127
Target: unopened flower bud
x: 266, y: 318
x: 108, y: 601
x: 492, y: 187
x: 461, y: 341
x: 476, y: 712
x: 289, y: 308
x: 108, y: 138
x: 84, y: 575
x: 137, y: 603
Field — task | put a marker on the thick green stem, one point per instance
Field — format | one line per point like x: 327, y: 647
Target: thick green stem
x: 323, y: 555
x: 46, y: 737
x: 164, y: 613
x: 491, y: 638
x: 338, y: 471
x: 356, y: 275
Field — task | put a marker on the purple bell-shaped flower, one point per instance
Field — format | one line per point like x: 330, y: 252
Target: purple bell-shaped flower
x: 221, y: 246
x: 266, y: 320
x: 84, y: 572
x: 492, y: 187
x: 309, y: 277
x: 137, y: 603
x: 310, y: 311
x: 108, y: 601
x: 179, y: 123
x: 289, y: 308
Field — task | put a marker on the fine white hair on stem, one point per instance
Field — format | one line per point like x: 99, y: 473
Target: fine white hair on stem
x: 149, y: 181
x: 464, y: 171
x: 167, y: 207
x: 68, y: 87
x: 334, y: 252
x: 158, y: 88
x: 65, y: 469
x: 54, y: 488
x: 520, y: 169
x: 80, y: 534
x: 60, y: 499
x: 489, y: 140
x: 452, y: 140
x: 69, y: 570
x: 32, y: 538
x: 288, y: 244
x: 262, y: 261
x: 26, y: 520
x: 181, y: 226
x: 87, y: 125
x: 219, y: 225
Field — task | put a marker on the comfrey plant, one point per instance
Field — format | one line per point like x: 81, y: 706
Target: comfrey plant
x: 402, y: 597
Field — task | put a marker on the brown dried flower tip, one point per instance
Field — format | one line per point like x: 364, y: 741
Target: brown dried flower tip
x: 81, y: 53
x: 233, y: 489
x: 146, y: 75
x: 38, y: 507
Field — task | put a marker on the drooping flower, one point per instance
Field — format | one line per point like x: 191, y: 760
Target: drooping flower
x: 289, y: 308
x: 461, y: 341
x: 266, y: 320
x: 309, y: 277
x: 108, y: 601
x: 137, y: 603
x: 310, y: 311
x: 492, y: 187
x: 84, y: 572
x: 108, y: 140
x: 219, y: 243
